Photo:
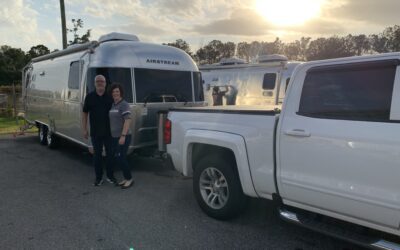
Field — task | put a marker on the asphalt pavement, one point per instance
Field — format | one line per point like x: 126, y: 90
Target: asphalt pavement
x: 48, y: 202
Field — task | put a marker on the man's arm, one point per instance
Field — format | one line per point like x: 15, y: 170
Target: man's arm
x: 84, y: 125
x: 85, y: 114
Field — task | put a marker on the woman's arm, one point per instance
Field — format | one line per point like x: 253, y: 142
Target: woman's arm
x: 125, y: 129
x: 126, y: 114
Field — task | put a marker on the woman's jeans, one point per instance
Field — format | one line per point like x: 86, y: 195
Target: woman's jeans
x: 119, y: 153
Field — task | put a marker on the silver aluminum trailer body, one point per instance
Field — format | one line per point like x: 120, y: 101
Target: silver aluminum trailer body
x: 56, y: 85
x: 255, y: 83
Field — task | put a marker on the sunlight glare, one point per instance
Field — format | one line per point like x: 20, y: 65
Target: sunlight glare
x: 288, y: 12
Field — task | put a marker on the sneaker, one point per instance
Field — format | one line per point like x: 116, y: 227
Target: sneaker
x: 127, y: 184
x: 112, y: 180
x: 122, y: 182
x: 98, y: 183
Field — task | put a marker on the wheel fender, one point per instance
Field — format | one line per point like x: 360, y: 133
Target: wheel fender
x: 234, y: 142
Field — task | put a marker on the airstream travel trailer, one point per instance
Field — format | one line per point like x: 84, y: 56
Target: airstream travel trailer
x: 154, y: 77
x: 261, y: 83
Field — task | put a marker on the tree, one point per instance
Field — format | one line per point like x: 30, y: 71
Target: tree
x: 38, y: 50
x: 392, y: 34
x: 227, y: 50
x: 255, y: 49
x: 243, y: 51
x: 181, y: 44
x: 78, y: 24
x: 211, y: 53
x: 12, y: 60
x: 292, y: 50
x: 357, y: 45
x: 275, y: 47
x: 379, y: 43
x: 326, y: 48
x: 214, y: 51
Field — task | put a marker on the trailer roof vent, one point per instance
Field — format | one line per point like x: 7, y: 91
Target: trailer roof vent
x: 114, y: 36
x: 272, y: 58
x: 231, y: 61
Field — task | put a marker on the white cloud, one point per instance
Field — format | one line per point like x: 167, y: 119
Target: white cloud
x: 109, y: 8
x: 17, y: 21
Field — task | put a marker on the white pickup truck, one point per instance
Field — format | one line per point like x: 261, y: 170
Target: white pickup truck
x: 332, y: 152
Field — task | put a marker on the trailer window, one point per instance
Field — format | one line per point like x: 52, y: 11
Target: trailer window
x: 198, y: 87
x: 153, y: 83
x: 73, y: 79
x: 112, y: 75
x: 351, y: 93
x: 269, y: 81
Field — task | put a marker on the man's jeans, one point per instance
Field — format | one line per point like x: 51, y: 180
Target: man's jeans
x: 98, y: 142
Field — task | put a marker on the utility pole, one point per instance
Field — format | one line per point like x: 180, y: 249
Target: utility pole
x: 64, y: 27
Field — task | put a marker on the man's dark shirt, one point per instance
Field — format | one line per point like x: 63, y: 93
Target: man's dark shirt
x: 98, y: 108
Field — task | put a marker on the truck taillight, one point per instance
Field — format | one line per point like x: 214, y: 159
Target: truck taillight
x: 167, y: 131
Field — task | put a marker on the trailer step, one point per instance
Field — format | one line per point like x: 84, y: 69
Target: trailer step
x: 339, y: 229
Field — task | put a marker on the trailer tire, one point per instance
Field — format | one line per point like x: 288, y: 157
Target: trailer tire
x: 217, y: 187
x: 52, y: 140
x: 42, y: 134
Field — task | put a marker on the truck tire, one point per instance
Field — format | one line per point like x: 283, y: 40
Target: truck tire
x: 42, y: 134
x: 52, y: 140
x: 217, y: 187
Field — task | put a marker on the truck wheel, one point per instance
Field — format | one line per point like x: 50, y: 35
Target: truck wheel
x: 42, y: 134
x: 217, y: 187
x: 52, y: 140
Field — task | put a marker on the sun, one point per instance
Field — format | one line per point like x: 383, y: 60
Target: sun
x: 289, y: 12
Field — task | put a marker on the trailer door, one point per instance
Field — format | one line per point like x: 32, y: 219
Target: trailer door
x: 72, y: 103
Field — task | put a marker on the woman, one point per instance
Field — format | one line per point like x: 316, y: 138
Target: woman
x: 120, y: 120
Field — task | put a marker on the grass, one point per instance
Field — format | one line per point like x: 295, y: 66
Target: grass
x: 9, y: 125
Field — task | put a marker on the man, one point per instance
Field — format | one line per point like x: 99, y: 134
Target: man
x: 97, y: 106
x: 230, y: 95
x: 217, y: 95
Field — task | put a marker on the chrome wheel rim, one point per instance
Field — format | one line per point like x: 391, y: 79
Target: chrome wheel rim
x: 48, y: 138
x: 41, y: 134
x: 214, y: 188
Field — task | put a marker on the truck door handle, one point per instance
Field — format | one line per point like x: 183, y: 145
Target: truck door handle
x: 298, y: 133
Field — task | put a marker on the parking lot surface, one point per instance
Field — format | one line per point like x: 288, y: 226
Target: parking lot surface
x: 48, y: 202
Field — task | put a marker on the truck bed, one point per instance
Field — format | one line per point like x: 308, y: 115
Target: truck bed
x: 250, y: 130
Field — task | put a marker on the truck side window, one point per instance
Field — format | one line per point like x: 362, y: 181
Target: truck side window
x: 269, y: 81
x: 349, y: 92
x: 73, y: 79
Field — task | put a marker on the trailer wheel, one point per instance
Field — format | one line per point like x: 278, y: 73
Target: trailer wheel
x: 217, y: 187
x: 52, y: 140
x: 42, y: 133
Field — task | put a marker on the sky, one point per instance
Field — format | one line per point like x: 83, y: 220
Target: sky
x: 25, y: 23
